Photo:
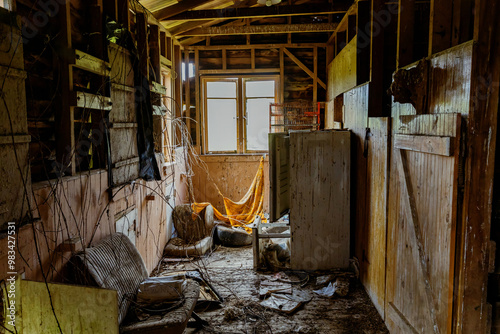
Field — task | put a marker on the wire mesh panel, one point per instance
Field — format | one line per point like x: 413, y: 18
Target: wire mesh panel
x: 284, y: 117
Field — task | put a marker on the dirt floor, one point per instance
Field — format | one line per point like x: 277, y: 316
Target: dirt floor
x: 230, y: 271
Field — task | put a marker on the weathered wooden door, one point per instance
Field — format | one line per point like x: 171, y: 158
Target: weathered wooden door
x: 422, y: 223
x: 320, y: 164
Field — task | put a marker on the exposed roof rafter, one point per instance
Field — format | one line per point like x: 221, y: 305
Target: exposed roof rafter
x: 274, y: 11
x: 178, y: 8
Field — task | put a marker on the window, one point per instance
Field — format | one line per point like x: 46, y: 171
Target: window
x: 237, y: 113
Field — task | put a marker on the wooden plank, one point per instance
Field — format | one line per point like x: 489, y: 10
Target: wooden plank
x: 372, y: 271
x: 158, y: 88
x: 260, y: 29
x: 240, y: 71
x: 91, y: 101
x: 479, y: 171
x: 257, y: 46
x: 406, y: 22
x: 411, y: 206
x: 178, y: 8
x: 126, y: 162
x: 303, y: 67
x: 91, y: 63
x: 440, y: 25
x: 342, y: 72
x: 432, y: 124
x: 425, y: 144
x: 259, y: 12
x: 320, y: 229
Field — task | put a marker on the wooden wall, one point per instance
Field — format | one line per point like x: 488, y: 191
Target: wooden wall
x: 374, y: 173
x: 78, y: 207
x: 232, y: 175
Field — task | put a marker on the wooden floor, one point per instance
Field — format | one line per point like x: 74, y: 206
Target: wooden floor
x: 230, y: 271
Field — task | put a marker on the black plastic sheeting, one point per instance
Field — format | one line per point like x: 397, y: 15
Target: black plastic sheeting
x: 148, y: 166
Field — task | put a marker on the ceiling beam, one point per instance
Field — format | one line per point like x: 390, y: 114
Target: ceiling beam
x: 261, y: 11
x: 178, y: 8
x: 261, y: 29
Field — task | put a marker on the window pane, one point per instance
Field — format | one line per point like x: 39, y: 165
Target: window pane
x: 259, y: 88
x: 258, y: 124
x: 221, y: 89
x: 221, y: 125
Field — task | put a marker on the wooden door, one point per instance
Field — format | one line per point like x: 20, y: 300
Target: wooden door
x: 422, y: 223
x: 320, y: 164
x: 373, y: 236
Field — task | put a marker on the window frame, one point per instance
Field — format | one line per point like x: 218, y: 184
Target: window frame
x: 241, y: 112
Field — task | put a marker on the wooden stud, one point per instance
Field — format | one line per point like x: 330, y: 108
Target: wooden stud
x: 406, y: 23
x: 341, y: 41
x: 110, y: 8
x: 252, y: 58
x: 351, y: 27
x: 169, y: 48
x: 363, y: 43
x: 224, y: 59
x: 142, y: 43
x: 123, y: 13
x: 154, y: 52
x: 177, y: 105
x: 163, y: 44
x: 282, y: 75
x: 315, y: 78
x: 197, y: 100
x: 441, y: 18
x: 187, y: 92
x: 64, y: 115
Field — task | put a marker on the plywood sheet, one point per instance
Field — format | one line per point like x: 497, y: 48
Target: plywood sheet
x: 78, y: 309
x: 320, y: 199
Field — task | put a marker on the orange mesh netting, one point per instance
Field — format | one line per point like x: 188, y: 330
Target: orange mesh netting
x: 250, y: 206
